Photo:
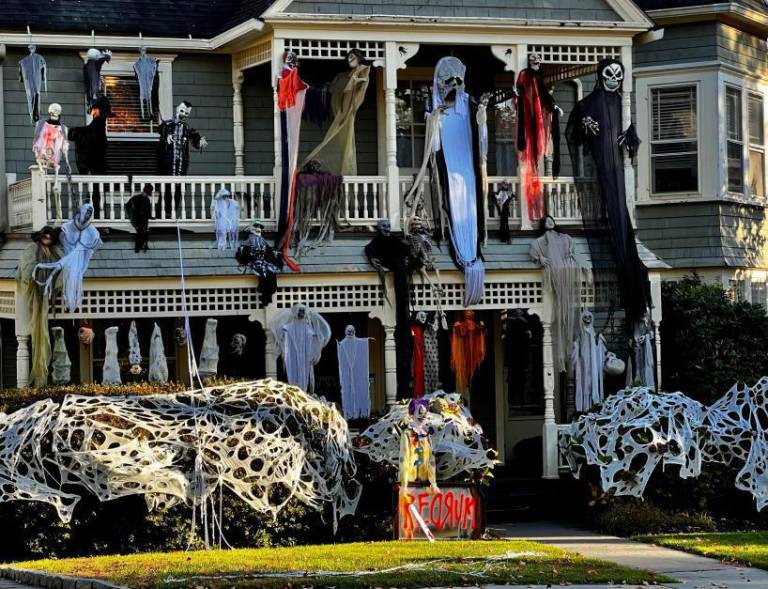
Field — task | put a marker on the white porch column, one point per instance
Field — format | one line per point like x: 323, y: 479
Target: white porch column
x: 390, y: 365
x: 525, y: 221
x: 39, y: 206
x: 655, y: 280
x: 626, y: 121
x: 390, y: 118
x: 237, y: 121
x: 270, y: 361
x: 549, y: 433
x: 22, y: 361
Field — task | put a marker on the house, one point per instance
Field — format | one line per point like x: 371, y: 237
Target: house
x: 700, y: 93
x: 224, y: 58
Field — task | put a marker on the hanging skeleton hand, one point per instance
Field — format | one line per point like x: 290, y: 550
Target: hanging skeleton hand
x: 203, y: 143
x: 590, y: 126
x: 559, y: 110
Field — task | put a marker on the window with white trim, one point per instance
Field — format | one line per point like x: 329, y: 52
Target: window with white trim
x: 411, y: 103
x: 123, y: 94
x: 734, y: 140
x: 756, y: 126
x: 674, y: 140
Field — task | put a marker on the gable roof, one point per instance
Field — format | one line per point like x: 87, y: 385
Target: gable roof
x: 162, y: 18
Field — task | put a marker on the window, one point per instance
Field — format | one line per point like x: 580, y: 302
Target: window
x: 734, y: 140
x: 412, y: 99
x: 674, y: 140
x: 756, y: 125
x: 505, y: 138
x: 758, y: 293
x: 123, y: 94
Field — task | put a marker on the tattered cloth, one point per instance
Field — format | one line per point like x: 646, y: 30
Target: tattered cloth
x: 265, y: 441
x: 318, y: 198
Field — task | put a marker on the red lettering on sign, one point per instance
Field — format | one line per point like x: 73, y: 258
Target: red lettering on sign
x: 449, y: 510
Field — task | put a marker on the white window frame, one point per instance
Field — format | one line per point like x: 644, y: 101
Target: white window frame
x: 747, y: 86
x: 653, y: 142
x: 755, y: 147
x: 741, y: 142
x: 705, y: 79
x: 121, y: 64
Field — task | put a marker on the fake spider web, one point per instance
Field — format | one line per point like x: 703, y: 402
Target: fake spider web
x: 458, y: 442
x: 265, y: 441
x: 636, y: 429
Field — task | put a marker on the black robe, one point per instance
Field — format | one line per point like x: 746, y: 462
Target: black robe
x: 91, y: 141
x: 603, y: 203
x: 173, y: 158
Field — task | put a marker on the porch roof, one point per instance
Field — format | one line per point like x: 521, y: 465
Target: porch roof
x: 116, y: 258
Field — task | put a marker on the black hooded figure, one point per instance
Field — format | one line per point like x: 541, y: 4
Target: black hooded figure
x: 595, y: 130
x: 91, y: 141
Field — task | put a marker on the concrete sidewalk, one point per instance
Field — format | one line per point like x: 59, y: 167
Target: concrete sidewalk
x: 696, y: 572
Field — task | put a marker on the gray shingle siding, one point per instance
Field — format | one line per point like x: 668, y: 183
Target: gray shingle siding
x: 590, y: 10
x: 258, y: 112
x: 744, y: 235
x: 742, y: 50
x: 681, y: 44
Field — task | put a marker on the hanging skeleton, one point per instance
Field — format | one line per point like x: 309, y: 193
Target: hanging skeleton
x: 146, y: 69
x: 300, y: 335
x: 80, y: 240
x: 259, y: 257
x: 595, y: 130
x: 538, y: 121
x: 456, y: 147
x: 225, y: 212
x: 587, y: 358
x: 61, y: 365
x: 51, y: 149
x: 33, y: 73
x: 354, y: 375
x: 91, y: 141
x: 94, y: 87
x: 553, y: 251
x: 32, y: 301
x: 209, y: 354
x: 158, y: 365
x: 175, y: 137
x: 422, y: 259
x: 111, y: 371
x: 337, y: 152
x: 291, y: 92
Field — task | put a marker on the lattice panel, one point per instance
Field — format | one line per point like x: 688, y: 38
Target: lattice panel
x: 334, y: 49
x: 164, y: 302
x: 331, y: 298
x: 497, y: 295
x: 601, y: 294
x: 7, y: 303
x: 253, y: 56
x: 574, y: 54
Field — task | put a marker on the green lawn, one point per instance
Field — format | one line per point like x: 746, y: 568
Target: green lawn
x: 750, y: 548
x: 426, y: 565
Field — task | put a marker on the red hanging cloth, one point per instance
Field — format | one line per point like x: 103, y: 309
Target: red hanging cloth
x: 417, y: 363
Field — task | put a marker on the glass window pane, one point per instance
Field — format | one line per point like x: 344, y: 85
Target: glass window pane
x: 733, y: 113
x: 758, y: 293
x: 123, y: 94
x: 735, y: 167
x: 675, y: 173
x: 674, y: 113
x: 674, y: 145
x: 757, y: 173
x: 755, y: 120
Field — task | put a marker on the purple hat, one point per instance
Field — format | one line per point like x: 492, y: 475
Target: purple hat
x: 414, y: 405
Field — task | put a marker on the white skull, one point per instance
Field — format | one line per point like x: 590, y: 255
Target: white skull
x: 93, y: 53
x: 449, y: 76
x: 534, y: 61
x: 613, y: 75
x: 421, y: 317
x: 349, y: 330
x: 54, y: 110
x: 183, y: 110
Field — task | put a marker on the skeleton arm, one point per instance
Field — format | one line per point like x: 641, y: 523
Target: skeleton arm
x: 414, y: 200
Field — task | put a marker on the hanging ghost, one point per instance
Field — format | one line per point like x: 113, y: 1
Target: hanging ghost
x: 467, y: 350
x: 538, y: 122
x: 33, y: 73
x: 146, y: 70
x: 596, y: 131
x: 61, y: 365
x: 300, y: 335
x: 209, y: 354
x: 80, y: 240
x: 587, y: 357
x: 225, y: 212
x: 94, y: 87
x: 33, y: 299
x: 354, y: 375
x: 553, y: 251
x: 111, y: 371
x: 417, y: 358
x: 158, y: 365
x: 456, y: 147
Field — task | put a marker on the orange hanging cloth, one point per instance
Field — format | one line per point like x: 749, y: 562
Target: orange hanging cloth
x: 467, y: 350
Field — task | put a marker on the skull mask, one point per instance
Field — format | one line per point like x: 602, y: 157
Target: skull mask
x: 384, y: 227
x: 183, y: 110
x: 83, y: 216
x: 93, y: 54
x: 449, y: 81
x: 54, y: 110
x: 611, y: 75
x: 349, y: 331
x: 291, y: 60
x: 421, y: 317
x: 534, y: 61
x: 237, y: 346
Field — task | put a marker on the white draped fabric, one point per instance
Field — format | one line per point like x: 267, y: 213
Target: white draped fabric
x: 300, y: 335
x: 158, y: 365
x: 209, y: 354
x: 225, y: 211
x: 587, y: 365
x: 354, y: 377
x: 111, y: 372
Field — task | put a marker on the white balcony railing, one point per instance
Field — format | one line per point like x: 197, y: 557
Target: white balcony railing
x: 20, y: 204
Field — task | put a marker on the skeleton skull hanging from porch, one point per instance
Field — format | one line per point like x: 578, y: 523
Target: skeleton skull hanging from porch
x: 612, y: 76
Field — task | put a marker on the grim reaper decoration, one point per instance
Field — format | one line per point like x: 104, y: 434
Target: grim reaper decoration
x: 456, y: 145
x: 595, y: 128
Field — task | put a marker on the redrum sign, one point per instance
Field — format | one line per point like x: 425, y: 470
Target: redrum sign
x: 452, y: 512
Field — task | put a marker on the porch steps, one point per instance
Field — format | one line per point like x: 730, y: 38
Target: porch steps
x: 524, y: 498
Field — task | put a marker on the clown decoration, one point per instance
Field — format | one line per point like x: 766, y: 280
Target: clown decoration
x: 595, y: 129
x: 417, y: 463
x: 456, y: 145
x: 538, y: 121
x: 175, y: 137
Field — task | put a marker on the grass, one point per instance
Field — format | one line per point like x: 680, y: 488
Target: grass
x: 448, y: 563
x: 749, y: 548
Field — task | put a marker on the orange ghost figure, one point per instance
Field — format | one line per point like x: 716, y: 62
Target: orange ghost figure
x: 467, y: 350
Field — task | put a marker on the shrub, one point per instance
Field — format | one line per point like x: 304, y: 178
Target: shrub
x: 630, y: 517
